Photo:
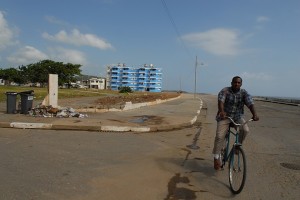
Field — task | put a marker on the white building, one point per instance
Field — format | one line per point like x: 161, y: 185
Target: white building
x: 95, y: 83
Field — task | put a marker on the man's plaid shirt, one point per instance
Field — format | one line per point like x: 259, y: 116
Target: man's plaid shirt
x: 234, y: 102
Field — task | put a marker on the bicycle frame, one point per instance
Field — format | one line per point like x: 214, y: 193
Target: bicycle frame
x: 229, y: 151
x: 235, y: 133
x: 236, y: 158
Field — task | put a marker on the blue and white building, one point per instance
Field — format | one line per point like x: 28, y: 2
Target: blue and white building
x: 146, y: 78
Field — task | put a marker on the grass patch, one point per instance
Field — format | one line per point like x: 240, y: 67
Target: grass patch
x: 41, y: 93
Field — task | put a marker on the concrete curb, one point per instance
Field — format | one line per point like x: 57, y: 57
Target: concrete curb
x: 23, y: 125
x: 104, y: 128
x: 5, y: 125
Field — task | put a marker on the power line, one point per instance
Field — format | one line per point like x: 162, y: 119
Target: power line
x: 174, y: 25
x: 170, y: 17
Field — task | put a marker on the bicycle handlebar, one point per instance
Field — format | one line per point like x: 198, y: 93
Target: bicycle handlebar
x: 236, y: 124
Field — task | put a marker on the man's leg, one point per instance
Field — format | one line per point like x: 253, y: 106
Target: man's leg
x: 244, y: 130
x: 222, y: 127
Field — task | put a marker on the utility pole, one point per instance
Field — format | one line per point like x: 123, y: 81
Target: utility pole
x: 196, y: 64
x: 180, y: 83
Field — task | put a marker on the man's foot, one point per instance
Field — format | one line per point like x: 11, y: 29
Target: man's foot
x: 217, y: 164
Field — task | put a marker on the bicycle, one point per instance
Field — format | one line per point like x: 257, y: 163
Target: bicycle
x: 236, y: 158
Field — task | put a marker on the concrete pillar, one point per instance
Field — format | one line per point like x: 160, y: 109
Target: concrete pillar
x: 53, y: 90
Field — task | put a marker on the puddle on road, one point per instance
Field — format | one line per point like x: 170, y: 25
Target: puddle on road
x: 141, y: 119
x: 149, y: 119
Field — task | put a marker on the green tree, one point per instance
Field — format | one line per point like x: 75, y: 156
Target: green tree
x: 12, y: 75
x: 125, y: 89
x: 39, y: 72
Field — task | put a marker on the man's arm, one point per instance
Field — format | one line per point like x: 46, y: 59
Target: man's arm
x: 250, y: 104
x: 253, y: 111
x: 221, y: 112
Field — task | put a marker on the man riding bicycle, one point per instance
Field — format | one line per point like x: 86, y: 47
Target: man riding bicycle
x: 231, y: 101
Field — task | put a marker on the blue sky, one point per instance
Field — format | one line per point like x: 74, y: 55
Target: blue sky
x: 256, y: 39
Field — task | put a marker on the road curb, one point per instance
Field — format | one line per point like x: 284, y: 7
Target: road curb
x: 5, y: 125
x: 25, y: 125
x: 103, y: 128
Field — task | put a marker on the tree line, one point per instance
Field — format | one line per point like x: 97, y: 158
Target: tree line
x: 39, y: 73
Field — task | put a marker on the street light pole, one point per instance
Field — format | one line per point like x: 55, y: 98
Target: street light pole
x: 196, y: 64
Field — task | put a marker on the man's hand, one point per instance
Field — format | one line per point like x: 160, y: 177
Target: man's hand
x: 222, y: 115
x: 255, y: 118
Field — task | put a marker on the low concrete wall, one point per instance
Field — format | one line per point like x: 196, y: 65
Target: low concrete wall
x: 293, y: 102
x: 127, y: 106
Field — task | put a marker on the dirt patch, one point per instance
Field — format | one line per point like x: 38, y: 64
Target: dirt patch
x: 134, y: 98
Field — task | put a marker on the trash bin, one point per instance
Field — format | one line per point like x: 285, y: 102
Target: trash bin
x: 11, y: 100
x: 26, y: 101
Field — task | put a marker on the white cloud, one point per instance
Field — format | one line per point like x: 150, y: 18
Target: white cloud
x: 256, y: 76
x: 56, y: 21
x: 27, y: 55
x: 79, y: 39
x: 68, y: 56
x: 6, y: 33
x: 262, y: 19
x: 216, y: 41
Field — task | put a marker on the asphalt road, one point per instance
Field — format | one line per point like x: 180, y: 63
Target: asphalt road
x: 272, y: 150
x: 43, y: 164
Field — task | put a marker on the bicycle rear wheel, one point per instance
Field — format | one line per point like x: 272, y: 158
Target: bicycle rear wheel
x: 237, y: 170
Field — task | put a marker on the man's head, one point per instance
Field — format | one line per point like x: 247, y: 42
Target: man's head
x: 236, y: 83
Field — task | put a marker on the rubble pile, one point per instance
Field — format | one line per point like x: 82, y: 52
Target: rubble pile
x: 49, y: 111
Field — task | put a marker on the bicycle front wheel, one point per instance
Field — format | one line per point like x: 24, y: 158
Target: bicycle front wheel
x: 237, y: 170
